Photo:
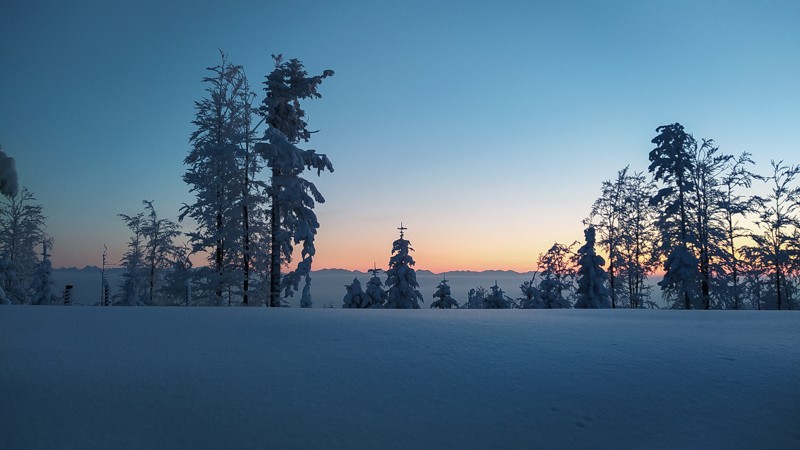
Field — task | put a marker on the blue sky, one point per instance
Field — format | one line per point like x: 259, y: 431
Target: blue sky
x: 487, y: 129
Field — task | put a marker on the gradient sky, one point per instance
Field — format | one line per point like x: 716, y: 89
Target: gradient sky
x: 487, y: 129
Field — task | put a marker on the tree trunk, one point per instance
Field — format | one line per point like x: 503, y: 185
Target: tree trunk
x: 275, y: 251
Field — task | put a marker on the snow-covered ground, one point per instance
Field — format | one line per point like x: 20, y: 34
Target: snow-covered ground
x: 89, y: 377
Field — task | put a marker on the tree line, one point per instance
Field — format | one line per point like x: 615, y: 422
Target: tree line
x: 691, y: 219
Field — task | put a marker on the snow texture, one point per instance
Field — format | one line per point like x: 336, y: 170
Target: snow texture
x: 89, y: 377
x: 9, y: 184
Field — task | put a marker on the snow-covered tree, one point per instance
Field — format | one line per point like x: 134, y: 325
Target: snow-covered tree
x: 671, y: 163
x: 43, y: 290
x: 14, y: 291
x: 403, y: 289
x: 375, y: 296
x: 592, y: 291
x: 132, y: 291
x: 178, y: 282
x: 8, y: 175
x: 159, y: 234
x: 291, y: 197
x: 442, y: 296
x: 22, y: 226
x: 558, y: 273
x: 497, y: 299
x: 222, y: 169
x: 355, y: 297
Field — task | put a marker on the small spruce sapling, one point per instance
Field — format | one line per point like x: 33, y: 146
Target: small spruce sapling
x: 444, y: 300
x: 375, y: 296
x: 496, y: 299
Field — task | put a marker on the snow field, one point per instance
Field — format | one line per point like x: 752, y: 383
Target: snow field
x: 83, y: 377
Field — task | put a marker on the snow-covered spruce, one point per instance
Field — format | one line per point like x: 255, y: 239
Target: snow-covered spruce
x: 592, y: 291
x: 291, y: 197
x: 671, y: 163
x: 444, y: 299
x: 355, y: 297
x: 496, y: 299
x: 403, y: 289
x: 375, y: 296
x: 43, y: 290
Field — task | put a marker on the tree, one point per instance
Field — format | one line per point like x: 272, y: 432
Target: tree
x: 733, y: 206
x: 401, y: 279
x: 778, y: 224
x: 132, y: 293
x: 671, y: 163
x: 637, y: 242
x: 610, y: 210
x: 178, y: 282
x: 531, y: 298
x: 557, y: 274
x: 22, y: 225
x: 355, y: 297
x: 475, y: 298
x: 159, y: 235
x: 291, y: 197
x: 42, y: 288
x: 592, y: 291
x: 497, y: 299
x: 375, y: 296
x: 707, y: 168
x: 444, y: 299
x: 221, y: 172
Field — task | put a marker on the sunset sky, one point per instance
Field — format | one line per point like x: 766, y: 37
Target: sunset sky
x: 486, y: 129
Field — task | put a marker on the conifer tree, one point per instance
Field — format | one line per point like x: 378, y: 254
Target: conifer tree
x: 43, y: 291
x: 496, y: 299
x: 403, y: 289
x: 671, y: 163
x: 592, y: 291
x: 355, y: 297
x: 375, y: 296
x: 444, y: 299
x: 291, y: 197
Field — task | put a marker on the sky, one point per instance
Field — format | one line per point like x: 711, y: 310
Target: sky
x: 485, y: 128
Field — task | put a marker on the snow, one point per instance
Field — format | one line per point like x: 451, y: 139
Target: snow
x: 91, y: 377
x: 9, y: 183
